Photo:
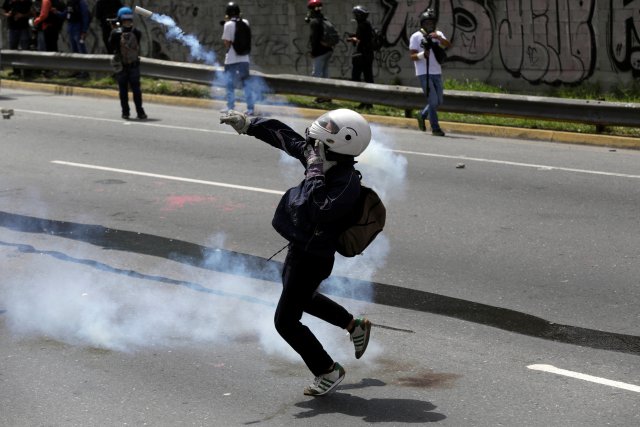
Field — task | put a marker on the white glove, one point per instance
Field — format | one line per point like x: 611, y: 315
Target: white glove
x: 240, y: 122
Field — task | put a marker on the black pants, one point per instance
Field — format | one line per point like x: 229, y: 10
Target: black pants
x: 362, y: 65
x: 301, y: 275
x: 130, y: 76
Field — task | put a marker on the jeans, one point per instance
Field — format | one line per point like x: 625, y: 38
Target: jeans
x: 130, y: 76
x: 19, y: 38
x: 321, y: 65
x: 239, y: 70
x: 301, y: 275
x: 76, y: 44
x: 434, y: 98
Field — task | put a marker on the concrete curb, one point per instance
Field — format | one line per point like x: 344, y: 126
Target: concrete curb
x: 455, y: 127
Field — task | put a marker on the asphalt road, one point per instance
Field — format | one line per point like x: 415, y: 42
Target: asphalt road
x: 137, y: 291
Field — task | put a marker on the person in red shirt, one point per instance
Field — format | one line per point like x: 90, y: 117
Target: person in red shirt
x: 50, y: 23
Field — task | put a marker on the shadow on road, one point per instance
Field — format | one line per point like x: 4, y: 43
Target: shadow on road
x: 371, y: 410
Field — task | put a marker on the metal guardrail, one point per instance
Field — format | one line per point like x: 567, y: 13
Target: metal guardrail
x: 600, y: 113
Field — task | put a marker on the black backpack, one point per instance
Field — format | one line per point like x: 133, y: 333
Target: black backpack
x: 330, y: 36
x: 364, y: 223
x: 377, y: 39
x: 242, y: 38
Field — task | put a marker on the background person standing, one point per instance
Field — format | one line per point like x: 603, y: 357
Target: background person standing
x: 125, y: 42
x: 49, y: 22
x: 106, y: 11
x: 78, y: 19
x: 362, y: 59
x: 320, y: 51
x: 236, y: 36
x: 18, y: 13
x: 423, y: 45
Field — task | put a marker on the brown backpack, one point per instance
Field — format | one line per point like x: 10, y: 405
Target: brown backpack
x: 365, y: 223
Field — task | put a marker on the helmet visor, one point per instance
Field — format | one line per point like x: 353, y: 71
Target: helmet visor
x: 327, y: 124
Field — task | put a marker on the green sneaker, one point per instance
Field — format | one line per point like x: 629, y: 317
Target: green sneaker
x: 326, y: 383
x: 421, y: 124
x: 360, y: 335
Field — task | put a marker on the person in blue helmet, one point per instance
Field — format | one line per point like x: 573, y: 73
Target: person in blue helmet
x: 125, y: 42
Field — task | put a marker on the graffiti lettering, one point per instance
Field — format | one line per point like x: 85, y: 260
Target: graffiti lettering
x: 625, y: 35
x: 550, y: 42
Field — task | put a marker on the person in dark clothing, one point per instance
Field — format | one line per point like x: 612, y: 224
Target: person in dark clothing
x: 18, y: 13
x: 78, y: 19
x: 320, y: 52
x: 311, y: 216
x: 106, y: 12
x: 125, y: 42
x: 362, y: 59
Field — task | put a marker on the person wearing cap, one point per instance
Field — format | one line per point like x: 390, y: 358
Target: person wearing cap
x: 310, y: 217
x: 320, y: 52
x: 236, y: 64
x: 422, y: 46
x: 362, y: 59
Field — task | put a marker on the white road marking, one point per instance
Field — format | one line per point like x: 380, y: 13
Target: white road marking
x: 169, y: 177
x: 527, y: 165
x: 553, y: 370
x: 414, y: 153
x: 128, y: 122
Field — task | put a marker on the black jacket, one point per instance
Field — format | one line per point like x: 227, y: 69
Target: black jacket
x: 312, y: 214
x: 317, y: 33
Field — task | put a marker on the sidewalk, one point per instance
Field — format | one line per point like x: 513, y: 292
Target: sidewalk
x: 455, y: 127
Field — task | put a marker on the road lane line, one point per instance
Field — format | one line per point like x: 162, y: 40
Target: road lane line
x: 415, y: 153
x: 528, y: 165
x: 127, y: 122
x: 169, y: 177
x: 553, y: 370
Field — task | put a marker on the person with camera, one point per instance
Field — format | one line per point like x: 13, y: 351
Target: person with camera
x: 426, y: 47
x: 362, y: 59
x: 106, y: 14
x: 310, y: 216
x: 236, y: 36
x: 320, y: 50
x: 125, y: 42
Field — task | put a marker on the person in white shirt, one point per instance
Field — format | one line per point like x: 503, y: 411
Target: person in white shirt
x: 426, y: 46
x: 236, y: 61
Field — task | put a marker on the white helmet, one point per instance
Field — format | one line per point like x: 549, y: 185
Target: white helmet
x: 343, y: 131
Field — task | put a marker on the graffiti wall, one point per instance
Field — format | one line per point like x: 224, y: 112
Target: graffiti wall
x: 519, y: 44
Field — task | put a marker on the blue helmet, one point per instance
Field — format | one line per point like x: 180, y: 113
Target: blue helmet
x: 125, y: 13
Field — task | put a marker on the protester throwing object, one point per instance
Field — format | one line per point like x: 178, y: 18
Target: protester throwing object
x: 312, y: 217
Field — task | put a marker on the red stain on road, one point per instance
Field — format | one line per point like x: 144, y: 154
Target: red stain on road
x: 172, y: 203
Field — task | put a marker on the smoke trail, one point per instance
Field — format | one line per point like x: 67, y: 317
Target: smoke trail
x: 174, y: 32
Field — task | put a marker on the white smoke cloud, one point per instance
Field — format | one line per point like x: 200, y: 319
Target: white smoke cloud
x: 93, y: 304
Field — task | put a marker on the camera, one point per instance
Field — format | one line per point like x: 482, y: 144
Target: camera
x: 427, y: 42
